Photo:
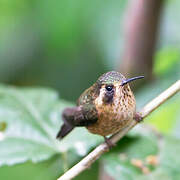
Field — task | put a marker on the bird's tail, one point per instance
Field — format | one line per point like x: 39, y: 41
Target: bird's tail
x: 65, y: 129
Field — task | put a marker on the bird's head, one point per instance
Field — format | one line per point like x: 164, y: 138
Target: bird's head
x: 113, y: 85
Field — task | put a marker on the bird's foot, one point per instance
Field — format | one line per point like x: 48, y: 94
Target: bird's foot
x: 109, y: 143
x: 138, y: 117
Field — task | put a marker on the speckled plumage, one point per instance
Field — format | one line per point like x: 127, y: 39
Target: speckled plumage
x: 105, y: 108
x: 110, y: 117
x: 86, y: 101
x: 110, y: 77
x: 116, y: 116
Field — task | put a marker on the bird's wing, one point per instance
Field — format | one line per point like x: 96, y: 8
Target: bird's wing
x: 83, y: 114
x: 87, y: 108
x: 80, y: 115
x: 76, y: 116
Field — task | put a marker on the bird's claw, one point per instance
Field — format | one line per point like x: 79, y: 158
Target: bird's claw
x: 138, y: 117
x: 109, y: 143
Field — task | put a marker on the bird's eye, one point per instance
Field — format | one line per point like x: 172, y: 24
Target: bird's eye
x: 109, y: 88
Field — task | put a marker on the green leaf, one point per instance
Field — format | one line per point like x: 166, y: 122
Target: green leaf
x: 130, y: 160
x: 166, y: 117
x: 165, y: 60
x: 45, y: 170
x: 169, y: 161
x: 30, y: 120
x: 49, y: 169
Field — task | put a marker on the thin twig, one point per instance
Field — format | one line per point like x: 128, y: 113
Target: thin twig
x: 102, y: 148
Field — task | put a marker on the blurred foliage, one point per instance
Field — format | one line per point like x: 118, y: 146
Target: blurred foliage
x: 152, y: 162
x: 32, y: 116
x: 66, y: 45
x: 170, y: 58
x: 45, y: 43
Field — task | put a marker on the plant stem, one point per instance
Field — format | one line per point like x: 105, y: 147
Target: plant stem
x: 87, y: 161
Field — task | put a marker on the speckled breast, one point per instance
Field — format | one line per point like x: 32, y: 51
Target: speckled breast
x: 111, y: 122
x: 114, y: 117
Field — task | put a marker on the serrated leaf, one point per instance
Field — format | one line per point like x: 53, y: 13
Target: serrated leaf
x: 46, y: 170
x: 138, y: 146
x: 31, y: 119
x: 126, y: 165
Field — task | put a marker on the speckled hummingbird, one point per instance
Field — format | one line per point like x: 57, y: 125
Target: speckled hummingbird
x: 105, y: 108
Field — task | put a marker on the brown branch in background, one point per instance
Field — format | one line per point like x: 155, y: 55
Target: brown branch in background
x: 102, y: 148
x: 142, y: 21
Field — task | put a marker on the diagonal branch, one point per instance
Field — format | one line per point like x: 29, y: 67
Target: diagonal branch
x: 102, y: 148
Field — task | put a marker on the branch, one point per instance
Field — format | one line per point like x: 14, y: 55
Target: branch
x: 141, y: 31
x: 102, y: 148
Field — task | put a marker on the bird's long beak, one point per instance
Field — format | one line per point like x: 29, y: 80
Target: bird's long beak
x: 131, y: 79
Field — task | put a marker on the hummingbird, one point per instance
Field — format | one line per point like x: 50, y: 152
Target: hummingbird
x: 105, y: 108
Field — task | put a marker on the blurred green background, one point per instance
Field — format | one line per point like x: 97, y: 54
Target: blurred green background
x: 65, y: 45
